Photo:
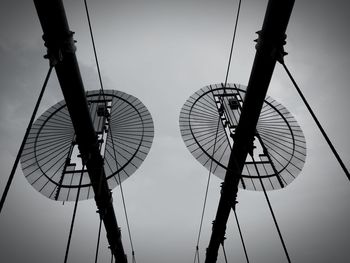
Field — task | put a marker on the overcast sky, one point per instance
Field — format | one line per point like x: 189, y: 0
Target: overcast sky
x: 162, y: 52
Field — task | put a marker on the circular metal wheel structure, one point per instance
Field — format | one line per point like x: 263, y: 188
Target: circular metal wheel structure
x: 51, y: 162
x: 207, y: 123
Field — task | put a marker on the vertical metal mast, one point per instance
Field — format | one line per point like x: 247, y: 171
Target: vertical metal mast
x: 269, y: 47
x: 61, y: 52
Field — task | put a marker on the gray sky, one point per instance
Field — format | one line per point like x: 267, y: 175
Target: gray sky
x: 162, y: 52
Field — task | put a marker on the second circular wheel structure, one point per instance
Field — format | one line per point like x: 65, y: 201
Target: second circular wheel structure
x: 208, y: 121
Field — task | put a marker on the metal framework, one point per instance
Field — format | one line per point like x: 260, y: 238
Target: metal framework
x: 269, y: 47
x: 61, y: 52
x: 50, y: 159
x: 277, y: 154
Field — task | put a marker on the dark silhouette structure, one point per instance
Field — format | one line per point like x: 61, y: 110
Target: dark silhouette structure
x: 84, y: 131
x: 61, y: 50
x: 269, y: 47
x: 208, y: 123
x: 239, y: 118
x: 90, y: 142
x: 51, y: 162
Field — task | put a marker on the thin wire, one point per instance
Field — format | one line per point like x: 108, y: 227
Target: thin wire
x: 14, y: 167
x: 316, y: 120
x: 206, y: 194
x: 123, y: 198
x: 95, y: 52
x: 74, y: 213
x: 272, y: 213
x: 110, y: 128
x: 233, y: 41
x: 125, y: 212
x: 98, y: 240
x: 93, y: 43
x: 223, y: 249
x: 241, y: 235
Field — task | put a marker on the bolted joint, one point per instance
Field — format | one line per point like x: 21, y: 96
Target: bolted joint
x: 102, y: 213
x: 57, y: 47
x: 271, y: 45
x: 220, y: 228
x: 228, y: 194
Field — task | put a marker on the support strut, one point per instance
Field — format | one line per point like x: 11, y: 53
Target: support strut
x: 269, y: 46
x: 61, y: 50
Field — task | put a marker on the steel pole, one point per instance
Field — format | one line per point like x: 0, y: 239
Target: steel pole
x: 61, y: 52
x: 269, y: 46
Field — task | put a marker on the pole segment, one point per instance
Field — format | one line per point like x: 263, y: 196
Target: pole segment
x: 61, y: 49
x: 269, y: 46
